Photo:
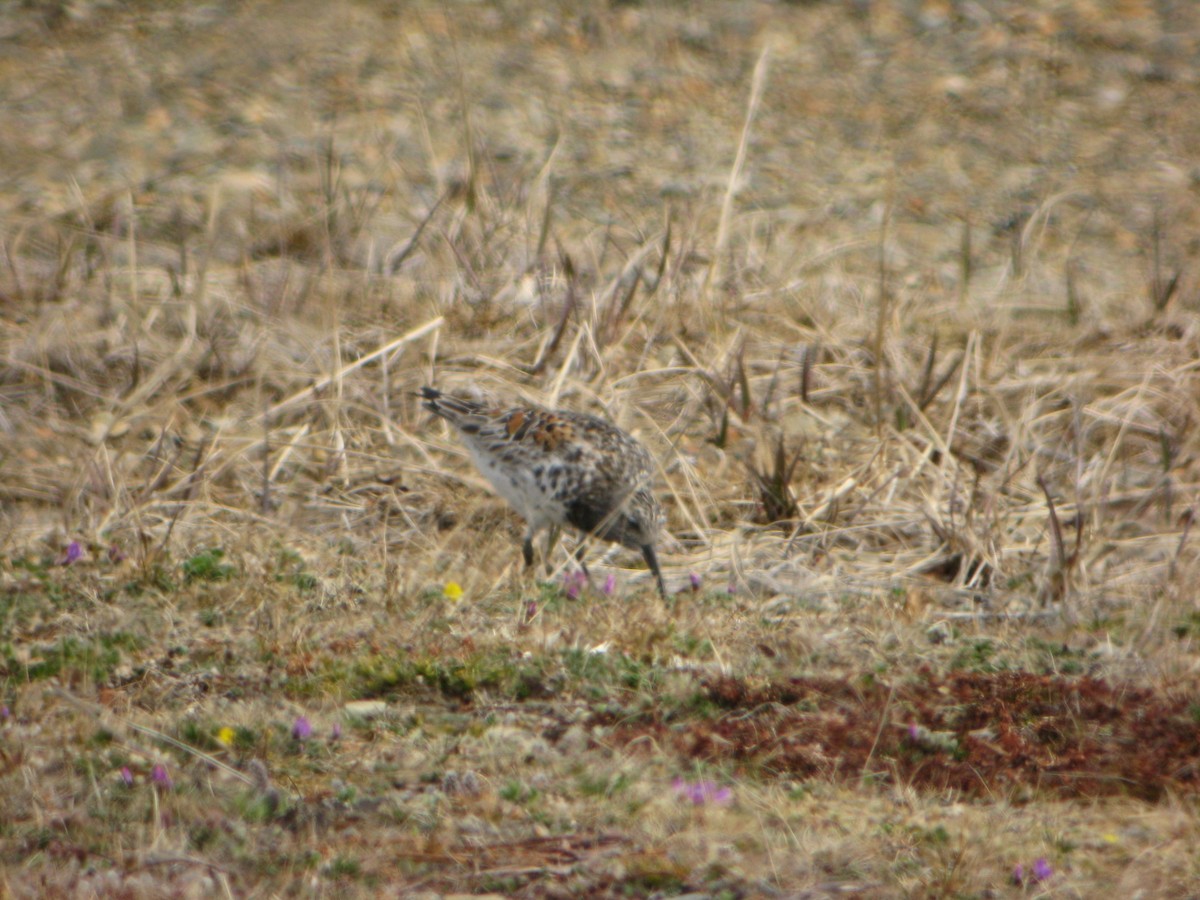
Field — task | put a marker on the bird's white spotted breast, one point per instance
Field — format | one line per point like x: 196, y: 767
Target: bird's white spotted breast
x: 518, y: 486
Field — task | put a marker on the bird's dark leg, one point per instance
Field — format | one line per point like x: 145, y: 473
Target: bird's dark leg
x: 551, y: 540
x: 527, y: 549
x: 580, y: 552
x: 652, y: 562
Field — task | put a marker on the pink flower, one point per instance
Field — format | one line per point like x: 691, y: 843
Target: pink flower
x: 160, y: 776
x: 610, y: 584
x: 302, y: 729
x: 694, y: 579
x: 701, y: 792
x: 573, y: 583
x: 1041, y: 872
x: 126, y: 776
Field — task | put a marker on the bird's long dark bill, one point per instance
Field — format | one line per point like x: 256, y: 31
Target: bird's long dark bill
x: 652, y: 562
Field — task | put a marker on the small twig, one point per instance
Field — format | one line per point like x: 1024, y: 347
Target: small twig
x: 807, y: 355
x: 418, y: 332
x: 1161, y: 289
x: 192, y: 480
x: 879, y: 731
x: 879, y: 342
x: 964, y: 261
x: 547, y: 213
x: 662, y: 261
x: 397, y: 259
x: 743, y: 381
x: 1035, y: 615
x: 927, y: 373
x: 1059, y: 561
x: 1188, y: 517
x: 569, y: 305
x: 739, y: 160
x: 770, y: 395
x: 181, y: 861
x: 264, y: 501
x: 936, y: 388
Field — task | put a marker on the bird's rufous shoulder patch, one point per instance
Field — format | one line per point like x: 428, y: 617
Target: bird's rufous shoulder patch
x: 552, y: 434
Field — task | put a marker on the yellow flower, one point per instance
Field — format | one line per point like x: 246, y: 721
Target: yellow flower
x: 452, y: 591
x: 225, y: 736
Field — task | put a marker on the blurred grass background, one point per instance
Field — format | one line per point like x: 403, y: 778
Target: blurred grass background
x: 902, y: 296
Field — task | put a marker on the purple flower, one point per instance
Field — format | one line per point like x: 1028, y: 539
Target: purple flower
x: 5, y: 713
x: 701, y: 792
x: 160, y: 776
x: 127, y: 776
x: 610, y: 584
x: 116, y: 554
x: 694, y: 579
x: 1041, y: 872
x: 302, y: 729
x: 74, y: 552
x: 573, y: 583
x: 530, y: 610
x: 914, y: 733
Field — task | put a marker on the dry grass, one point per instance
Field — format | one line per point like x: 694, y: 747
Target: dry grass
x: 902, y: 296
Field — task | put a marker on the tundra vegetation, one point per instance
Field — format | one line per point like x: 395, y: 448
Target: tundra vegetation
x: 901, y: 296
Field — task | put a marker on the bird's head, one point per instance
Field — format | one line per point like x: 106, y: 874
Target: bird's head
x: 638, y: 523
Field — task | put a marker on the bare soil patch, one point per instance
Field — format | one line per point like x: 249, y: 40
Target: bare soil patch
x: 1010, y: 734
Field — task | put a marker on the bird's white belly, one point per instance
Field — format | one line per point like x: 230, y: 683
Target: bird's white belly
x: 520, y: 488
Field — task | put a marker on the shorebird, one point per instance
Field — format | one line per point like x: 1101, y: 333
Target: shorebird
x: 556, y: 468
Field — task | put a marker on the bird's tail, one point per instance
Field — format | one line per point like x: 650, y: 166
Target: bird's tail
x: 449, y: 408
